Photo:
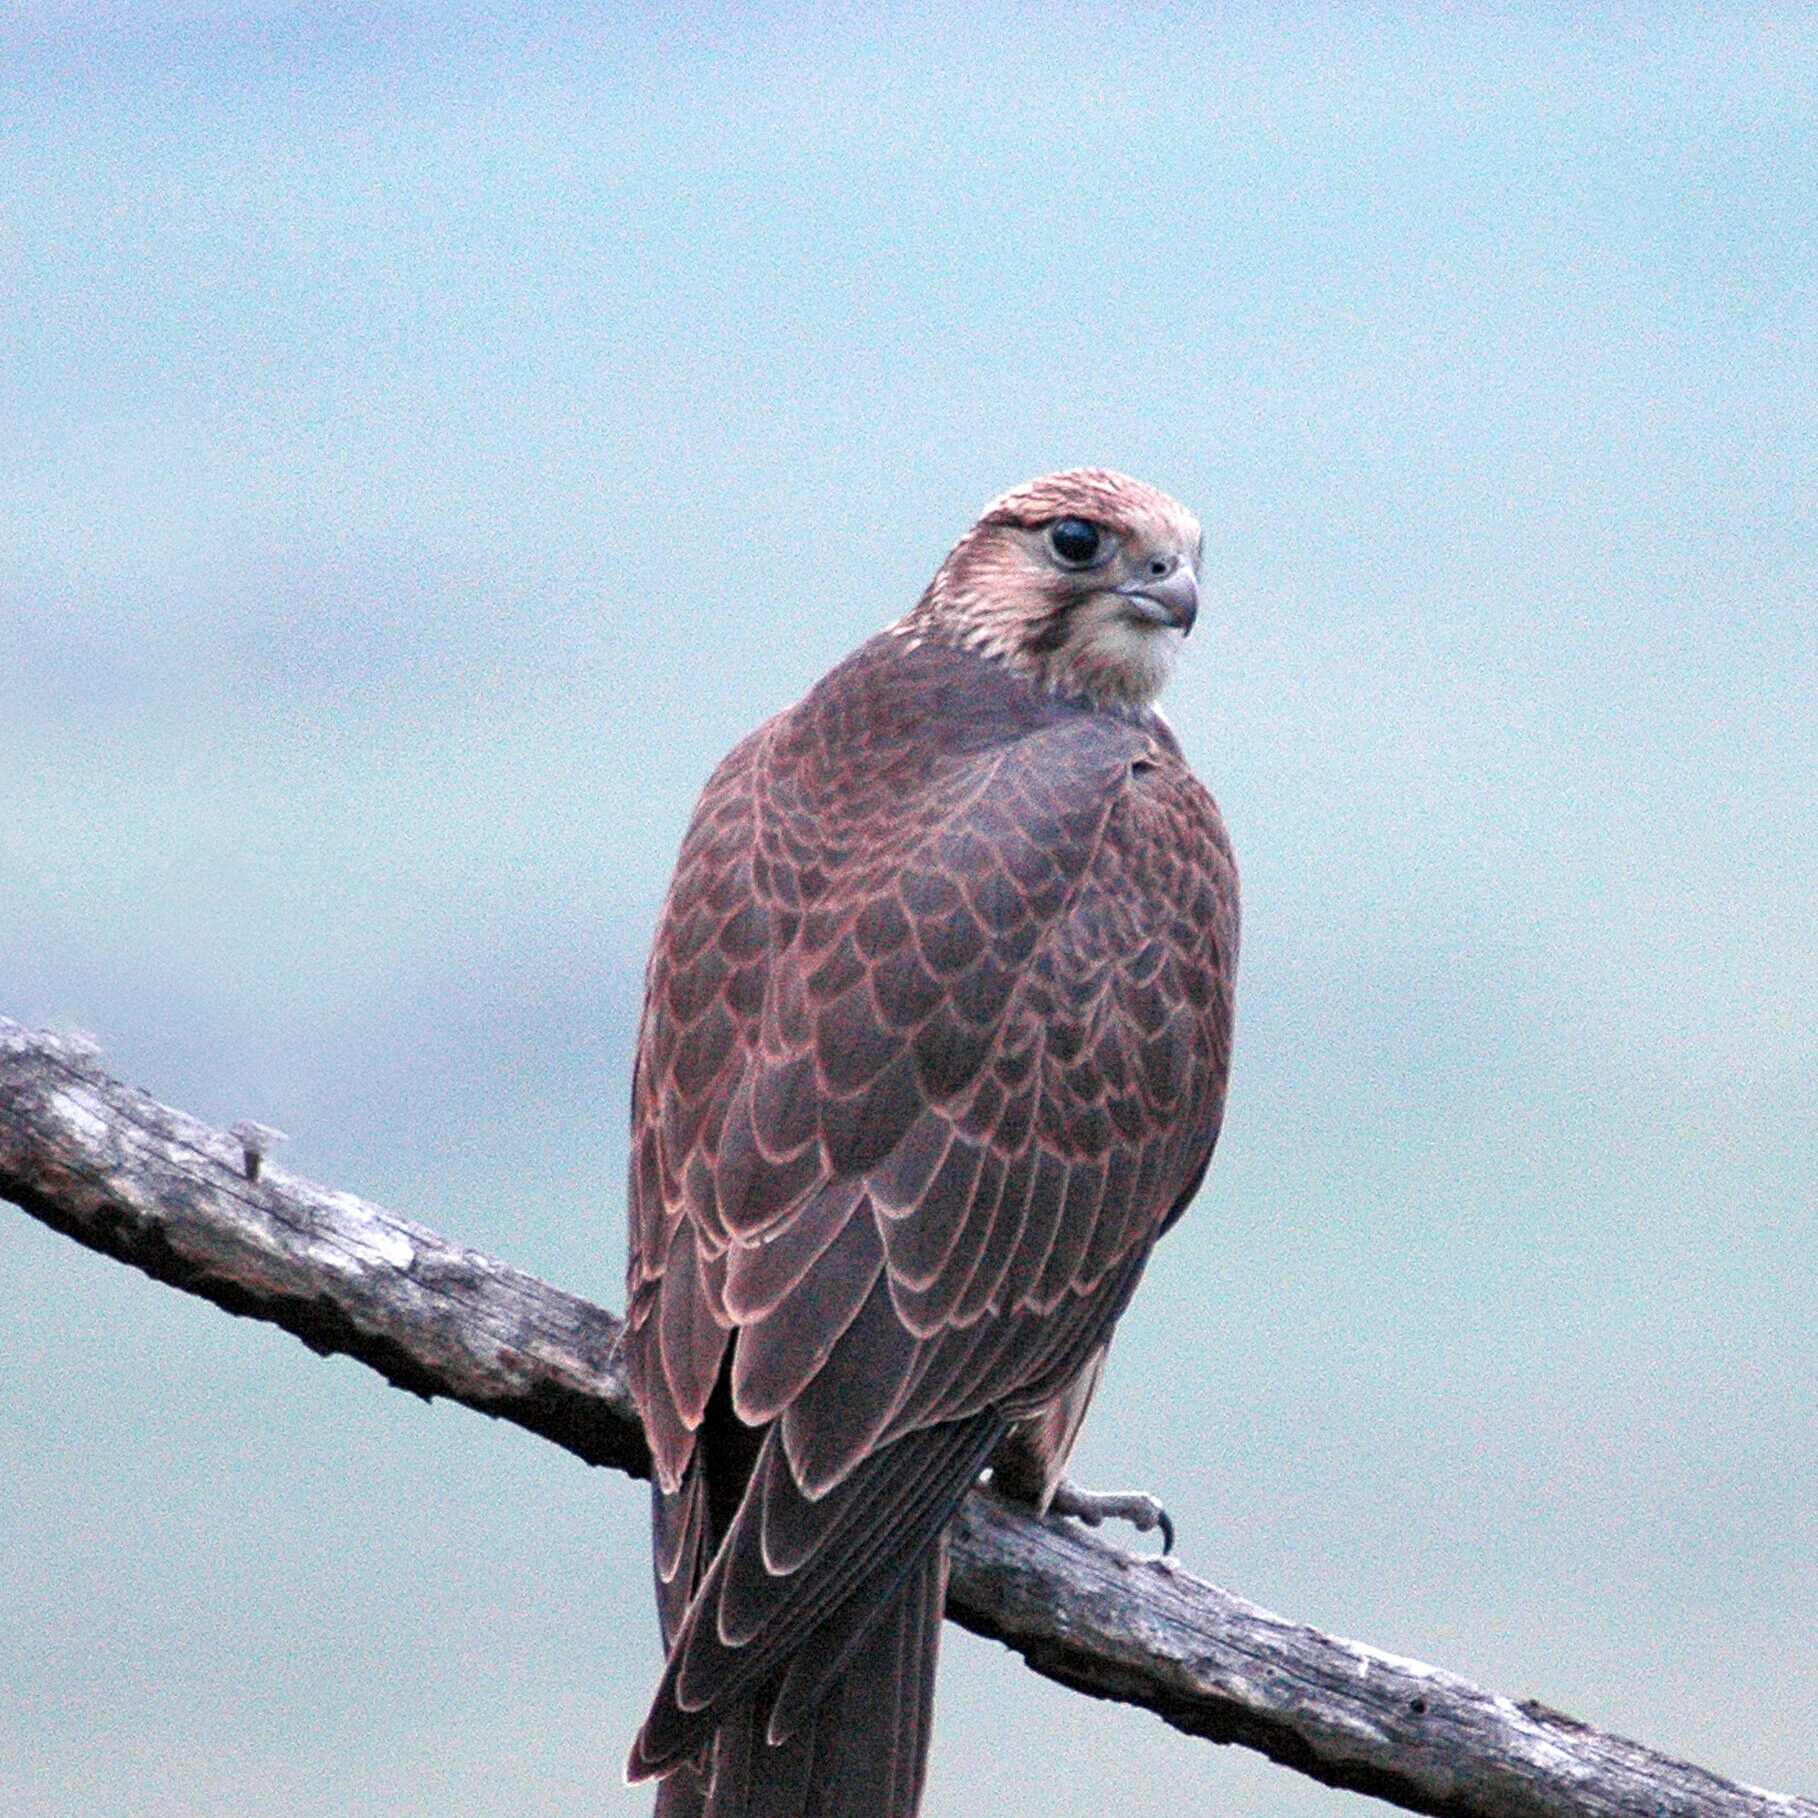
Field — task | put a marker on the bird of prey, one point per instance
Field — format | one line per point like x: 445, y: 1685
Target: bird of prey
x: 934, y: 1044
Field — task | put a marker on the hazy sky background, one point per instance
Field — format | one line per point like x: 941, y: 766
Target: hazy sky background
x: 429, y: 437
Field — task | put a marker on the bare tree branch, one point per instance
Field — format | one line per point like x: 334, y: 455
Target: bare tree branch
x: 204, y: 1211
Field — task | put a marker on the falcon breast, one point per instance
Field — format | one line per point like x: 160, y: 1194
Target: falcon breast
x: 934, y: 1045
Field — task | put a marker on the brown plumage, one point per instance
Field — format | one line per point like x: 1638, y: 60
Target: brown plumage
x: 934, y: 1044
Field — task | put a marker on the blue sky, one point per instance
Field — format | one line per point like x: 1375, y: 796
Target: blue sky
x: 429, y: 438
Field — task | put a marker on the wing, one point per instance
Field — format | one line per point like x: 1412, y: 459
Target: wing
x: 934, y: 1047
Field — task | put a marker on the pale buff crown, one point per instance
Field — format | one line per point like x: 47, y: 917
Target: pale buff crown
x: 1084, y: 581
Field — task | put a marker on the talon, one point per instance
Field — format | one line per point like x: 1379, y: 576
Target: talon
x: 1141, y: 1510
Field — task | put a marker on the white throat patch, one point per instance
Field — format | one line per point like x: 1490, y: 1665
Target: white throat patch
x: 1115, y: 657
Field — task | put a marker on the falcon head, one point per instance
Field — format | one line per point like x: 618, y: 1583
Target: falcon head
x: 1085, y: 581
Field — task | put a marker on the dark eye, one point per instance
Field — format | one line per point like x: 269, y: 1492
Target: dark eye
x: 1074, y: 541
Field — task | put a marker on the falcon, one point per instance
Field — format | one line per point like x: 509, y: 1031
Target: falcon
x: 935, y: 1034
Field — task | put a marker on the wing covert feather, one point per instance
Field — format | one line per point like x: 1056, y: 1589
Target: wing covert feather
x: 934, y: 1048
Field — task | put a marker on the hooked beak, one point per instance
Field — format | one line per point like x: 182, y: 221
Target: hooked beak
x: 1173, y: 599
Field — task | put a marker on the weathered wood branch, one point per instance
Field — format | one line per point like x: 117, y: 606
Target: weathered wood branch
x: 201, y: 1210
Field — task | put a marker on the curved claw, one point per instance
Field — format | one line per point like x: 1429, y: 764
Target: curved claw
x: 1143, y: 1512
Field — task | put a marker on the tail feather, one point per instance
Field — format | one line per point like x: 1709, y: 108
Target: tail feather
x: 682, y: 1794
x: 861, y: 1753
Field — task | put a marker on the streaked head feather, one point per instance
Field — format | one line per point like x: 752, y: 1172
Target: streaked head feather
x: 1079, y: 629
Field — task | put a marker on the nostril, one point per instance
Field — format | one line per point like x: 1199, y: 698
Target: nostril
x: 1158, y: 567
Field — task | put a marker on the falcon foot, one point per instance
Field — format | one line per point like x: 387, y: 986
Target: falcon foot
x: 1093, y: 1507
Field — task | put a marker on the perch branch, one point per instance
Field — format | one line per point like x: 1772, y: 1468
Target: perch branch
x: 206, y: 1211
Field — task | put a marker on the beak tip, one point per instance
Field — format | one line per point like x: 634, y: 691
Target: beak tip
x: 1178, y: 595
x: 1175, y: 595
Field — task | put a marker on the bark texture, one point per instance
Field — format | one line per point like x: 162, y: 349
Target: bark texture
x: 150, y: 1186
x: 153, y: 1187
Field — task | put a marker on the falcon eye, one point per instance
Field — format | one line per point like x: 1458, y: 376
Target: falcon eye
x: 1074, y: 541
